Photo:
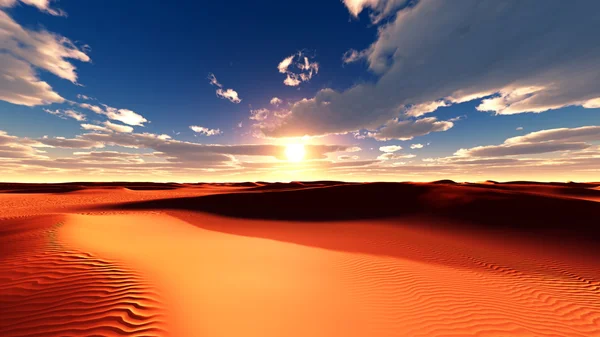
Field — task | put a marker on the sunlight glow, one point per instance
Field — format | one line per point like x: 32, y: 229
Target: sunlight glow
x: 295, y: 152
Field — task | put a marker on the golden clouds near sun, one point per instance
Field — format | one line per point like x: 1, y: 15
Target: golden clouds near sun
x: 295, y: 152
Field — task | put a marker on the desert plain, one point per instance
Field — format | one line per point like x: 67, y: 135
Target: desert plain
x: 300, y: 259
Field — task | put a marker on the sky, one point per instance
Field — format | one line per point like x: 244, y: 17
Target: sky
x: 354, y: 90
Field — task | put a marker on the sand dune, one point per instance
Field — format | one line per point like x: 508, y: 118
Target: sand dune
x: 51, y: 290
x: 319, y: 259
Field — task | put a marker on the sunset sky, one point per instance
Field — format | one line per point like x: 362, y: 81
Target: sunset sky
x: 356, y: 90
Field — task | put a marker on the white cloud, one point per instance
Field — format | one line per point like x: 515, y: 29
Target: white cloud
x: 544, y: 141
x: 259, y: 114
x: 275, y: 101
x: 229, y: 94
x: 353, y: 55
x: 42, y: 5
x: 41, y: 49
x: 519, y: 149
x: 122, y: 115
x: 19, y: 84
x: 93, y: 127
x: 520, y: 128
x: 390, y: 148
x: 70, y: 143
x: 205, y: 131
x: 303, y: 72
x: 425, y: 108
x: 118, y: 127
x: 66, y: 113
x: 416, y: 146
x: 25, y: 49
x: 85, y: 97
x: 408, y: 129
x: 394, y: 156
x: 451, y: 52
x: 380, y: 8
x: 581, y: 134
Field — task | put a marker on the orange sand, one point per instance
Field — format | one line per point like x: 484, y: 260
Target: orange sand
x: 73, y: 272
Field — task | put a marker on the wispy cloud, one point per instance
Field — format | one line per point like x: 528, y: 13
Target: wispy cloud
x: 205, y: 131
x: 229, y: 94
x: 126, y: 116
x: 25, y: 50
x: 298, y: 68
x: 42, y: 5
x: 64, y: 114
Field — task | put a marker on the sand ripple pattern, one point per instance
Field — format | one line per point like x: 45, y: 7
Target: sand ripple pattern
x: 48, y: 290
x: 465, y: 290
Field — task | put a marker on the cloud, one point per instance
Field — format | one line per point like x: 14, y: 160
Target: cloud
x: 275, y: 101
x: 390, y: 148
x: 180, y: 151
x: 84, y: 97
x: 416, y: 146
x: 122, y: 115
x: 519, y: 149
x: 205, y: 131
x: 580, y: 134
x: 394, y: 156
x: 69, y: 143
x: 93, y: 127
x: 24, y: 50
x: 451, y: 52
x: 353, y: 55
x: 41, y: 49
x: 66, y: 113
x: 42, y: 5
x: 379, y: 8
x: 408, y: 129
x: 520, y: 128
x: 19, y: 84
x: 259, y: 114
x: 425, y: 108
x: 298, y: 68
x: 229, y: 94
x: 12, y: 147
x: 544, y: 141
x: 347, y: 157
x: 118, y: 127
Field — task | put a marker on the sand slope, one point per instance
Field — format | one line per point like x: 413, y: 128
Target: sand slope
x: 365, y: 278
x: 50, y: 290
x: 308, y: 259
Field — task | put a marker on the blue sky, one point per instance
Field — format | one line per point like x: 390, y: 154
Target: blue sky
x: 110, y: 90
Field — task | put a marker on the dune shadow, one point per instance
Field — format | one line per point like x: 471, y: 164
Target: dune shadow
x: 473, y: 207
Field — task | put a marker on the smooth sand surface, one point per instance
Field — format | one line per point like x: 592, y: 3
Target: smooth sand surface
x: 93, y: 262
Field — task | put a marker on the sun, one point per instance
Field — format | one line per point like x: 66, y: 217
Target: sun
x: 295, y: 152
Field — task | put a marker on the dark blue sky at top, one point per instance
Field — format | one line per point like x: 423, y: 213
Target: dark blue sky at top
x: 154, y: 58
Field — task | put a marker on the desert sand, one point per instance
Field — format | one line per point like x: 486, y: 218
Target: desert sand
x: 300, y: 259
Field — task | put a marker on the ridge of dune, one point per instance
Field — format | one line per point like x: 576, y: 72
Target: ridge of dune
x: 230, y: 277
x: 49, y: 289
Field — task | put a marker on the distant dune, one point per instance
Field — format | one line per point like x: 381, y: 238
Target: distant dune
x: 300, y: 259
x: 506, y: 206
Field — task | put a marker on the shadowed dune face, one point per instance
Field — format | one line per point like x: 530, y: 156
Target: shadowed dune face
x: 483, y: 208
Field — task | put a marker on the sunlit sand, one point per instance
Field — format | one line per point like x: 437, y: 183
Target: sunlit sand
x: 130, y: 262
